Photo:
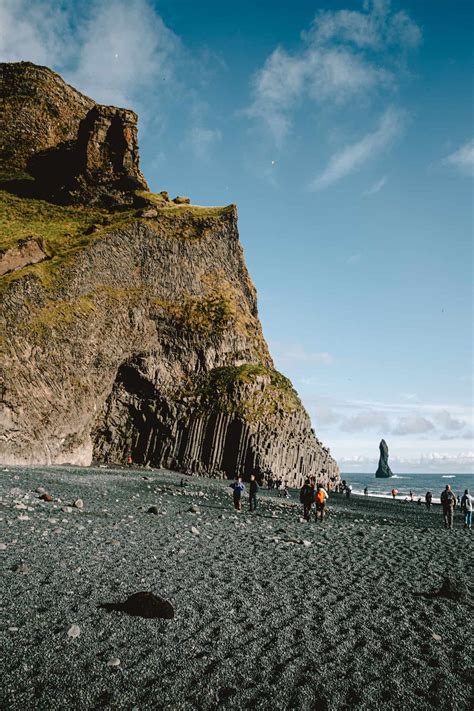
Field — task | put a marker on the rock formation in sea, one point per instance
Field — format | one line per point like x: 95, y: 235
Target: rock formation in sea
x: 383, y: 471
x: 129, y: 322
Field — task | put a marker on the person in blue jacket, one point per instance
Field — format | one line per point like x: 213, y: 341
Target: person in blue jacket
x: 238, y: 488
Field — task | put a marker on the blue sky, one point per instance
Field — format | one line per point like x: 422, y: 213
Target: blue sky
x: 344, y: 133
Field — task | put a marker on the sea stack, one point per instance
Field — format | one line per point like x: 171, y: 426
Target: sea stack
x: 129, y: 323
x: 383, y: 471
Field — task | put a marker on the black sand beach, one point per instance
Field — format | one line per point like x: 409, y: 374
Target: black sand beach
x: 270, y: 612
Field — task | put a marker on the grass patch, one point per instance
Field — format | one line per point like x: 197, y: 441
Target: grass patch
x: 252, y: 391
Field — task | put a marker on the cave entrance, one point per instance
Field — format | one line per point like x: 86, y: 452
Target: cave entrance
x: 132, y: 422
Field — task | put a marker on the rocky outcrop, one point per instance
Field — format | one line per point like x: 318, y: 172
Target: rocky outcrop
x: 38, y: 111
x: 140, y: 336
x: 76, y: 151
x: 24, y: 253
x: 383, y: 471
x: 99, y: 167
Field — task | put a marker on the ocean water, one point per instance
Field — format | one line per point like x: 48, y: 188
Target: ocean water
x: 419, y: 484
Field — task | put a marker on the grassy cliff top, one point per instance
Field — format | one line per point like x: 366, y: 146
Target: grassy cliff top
x: 65, y: 230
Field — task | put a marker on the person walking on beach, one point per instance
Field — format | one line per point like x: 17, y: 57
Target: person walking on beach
x: 366, y: 491
x: 466, y: 508
x: 448, y: 503
x: 348, y: 491
x: 394, y: 493
x: 321, y: 498
x: 411, y: 495
x: 428, y: 499
x: 306, y: 498
x: 253, y: 491
x: 238, y: 488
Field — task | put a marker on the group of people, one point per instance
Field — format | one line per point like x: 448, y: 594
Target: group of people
x: 314, y: 497
x: 449, y: 502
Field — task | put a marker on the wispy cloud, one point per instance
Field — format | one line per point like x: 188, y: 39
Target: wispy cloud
x: 376, y: 187
x: 344, y: 55
x: 202, y: 141
x: 371, y: 419
x: 297, y: 353
x: 462, y: 158
x: 412, y: 424
x: 353, y: 156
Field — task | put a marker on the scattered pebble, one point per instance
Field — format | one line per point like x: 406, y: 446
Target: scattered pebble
x: 3, y: 546
x: 194, y: 509
x: 306, y: 543
x: 437, y: 637
x: 67, y: 509
x: 78, y: 504
x: 21, y: 568
x: 114, y: 662
x: 195, y: 531
x: 46, y: 497
x: 74, y: 631
x: 153, y: 510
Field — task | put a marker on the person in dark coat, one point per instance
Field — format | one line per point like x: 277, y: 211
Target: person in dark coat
x: 253, y: 491
x: 448, y: 502
x: 307, y: 498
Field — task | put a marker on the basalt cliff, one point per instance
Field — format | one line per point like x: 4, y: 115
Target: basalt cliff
x: 129, y: 322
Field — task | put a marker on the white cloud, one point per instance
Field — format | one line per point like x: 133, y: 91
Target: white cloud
x: 370, y: 419
x: 376, y: 187
x: 374, y: 29
x: 345, y: 54
x: 37, y: 32
x: 353, y: 156
x: 202, y: 140
x: 447, y: 422
x: 462, y: 158
x: 412, y: 424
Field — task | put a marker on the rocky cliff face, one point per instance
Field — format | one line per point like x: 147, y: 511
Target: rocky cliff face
x: 135, y: 331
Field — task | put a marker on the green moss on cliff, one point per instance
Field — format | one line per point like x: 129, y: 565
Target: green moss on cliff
x: 252, y: 391
x: 55, y: 316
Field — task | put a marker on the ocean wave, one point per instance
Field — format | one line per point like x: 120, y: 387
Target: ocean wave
x: 448, y: 476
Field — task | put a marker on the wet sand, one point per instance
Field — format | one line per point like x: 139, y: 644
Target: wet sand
x: 262, y: 620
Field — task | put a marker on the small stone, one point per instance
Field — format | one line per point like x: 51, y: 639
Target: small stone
x: 23, y: 517
x: 306, y: 543
x: 21, y: 568
x: 153, y: 510
x: 150, y: 214
x: 46, y: 497
x: 21, y: 506
x: 114, y: 542
x: 437, y: 637
x: 78, y: 504
x: 3, y: 546
x: 13, y: 629
x: 40, y: 490
x: 74, y: 631
x: 114, y: 662
x: 194, y: 509
x: 195, y: 531
x: 67, y: 509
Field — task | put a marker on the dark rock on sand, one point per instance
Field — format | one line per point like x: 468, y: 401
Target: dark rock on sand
x: 46, y: 497
x: 143, y: 604
x: 153, y: 510
x: 451, y: 589
x: 383, y: 471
